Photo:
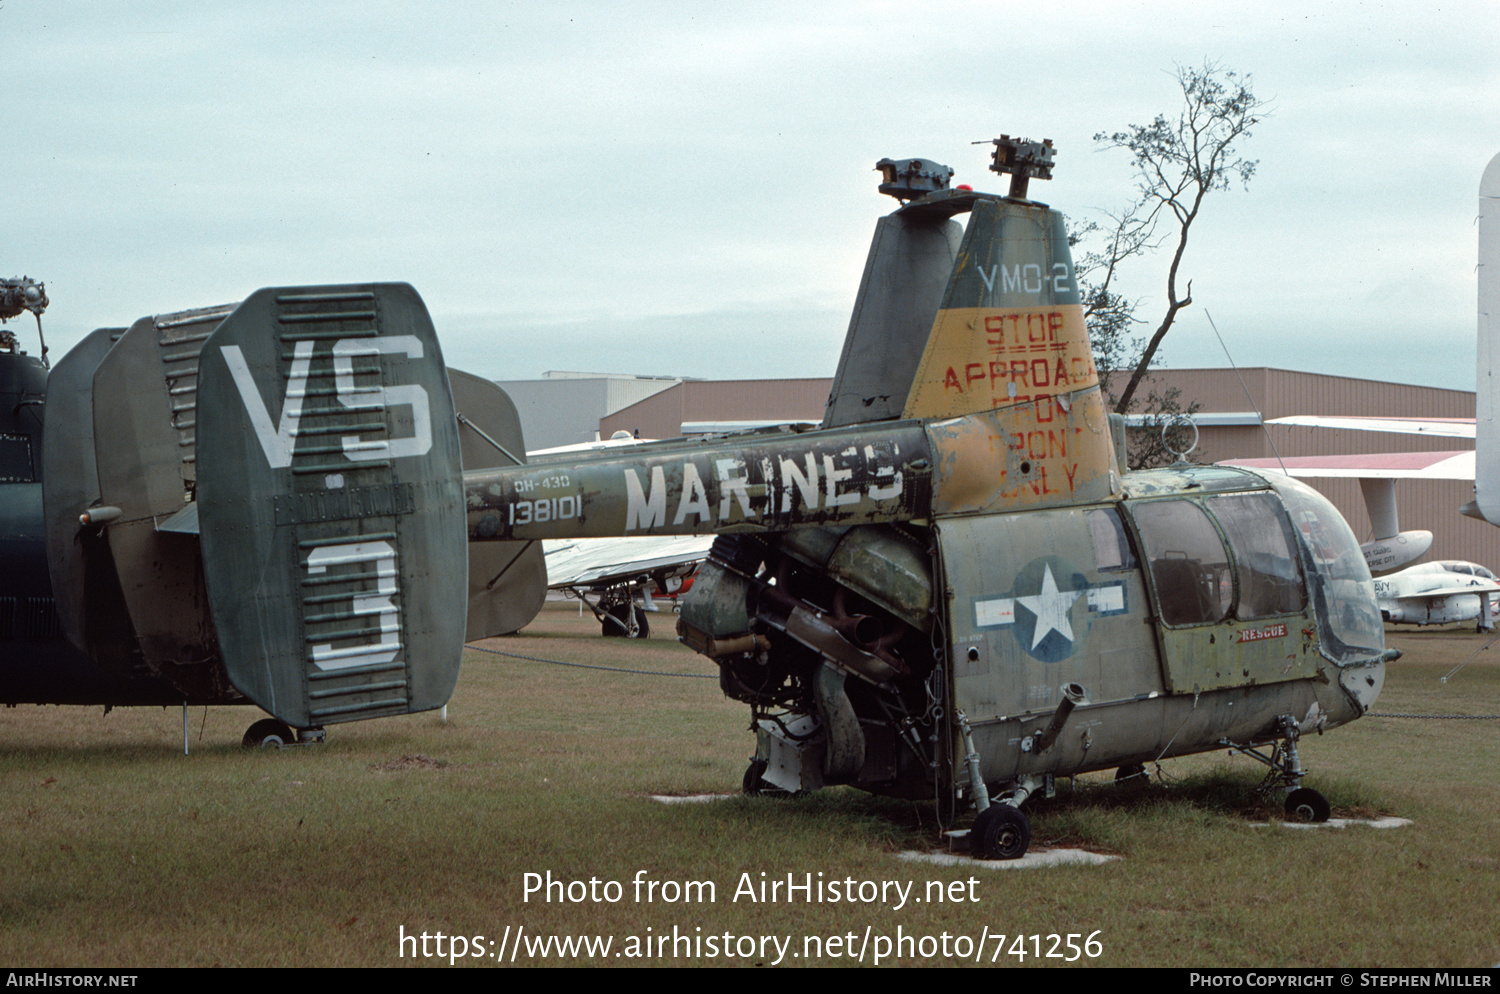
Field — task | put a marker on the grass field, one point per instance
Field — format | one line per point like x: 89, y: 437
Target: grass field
x: 120, y: 851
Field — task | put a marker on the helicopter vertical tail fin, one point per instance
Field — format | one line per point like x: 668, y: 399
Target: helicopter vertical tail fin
x: 329, y: 503
x: 1007, y: 373
x: 507, y: 580
x: 911, y: 257
x: 146, y: 608
x: 78, y: 566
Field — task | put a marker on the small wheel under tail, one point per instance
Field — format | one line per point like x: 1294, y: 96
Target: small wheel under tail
x: 268, y: 733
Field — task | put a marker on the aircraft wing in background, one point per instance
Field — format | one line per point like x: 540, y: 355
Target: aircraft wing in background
x: 1436, y: 427
x: 591, y: 562
x: 617, y: 570
x: 1377, y: 473
x: 1448, y: 465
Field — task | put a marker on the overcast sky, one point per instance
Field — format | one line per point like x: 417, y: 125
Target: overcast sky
x: 688, y: 189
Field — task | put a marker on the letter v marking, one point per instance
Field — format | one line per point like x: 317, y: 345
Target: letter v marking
x: 989, y: 278
x: 277, y: 443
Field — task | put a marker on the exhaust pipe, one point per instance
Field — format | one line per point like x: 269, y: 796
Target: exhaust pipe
x: 1073, y: 695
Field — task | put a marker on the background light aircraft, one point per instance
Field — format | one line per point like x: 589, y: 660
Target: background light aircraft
x: 615, y: 572
x: 940, y: 593
x: 1438, y: 593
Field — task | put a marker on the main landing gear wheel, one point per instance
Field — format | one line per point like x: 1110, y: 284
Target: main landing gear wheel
x: 1000, y: 832
x: 753, y: 784
x: 1306, y: 804
x: 268, y: 733
x: 1130, y: 772
x: 617, y: 625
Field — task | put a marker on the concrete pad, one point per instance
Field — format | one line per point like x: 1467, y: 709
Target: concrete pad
x: 1386, y: 822
x: 1034, y: 859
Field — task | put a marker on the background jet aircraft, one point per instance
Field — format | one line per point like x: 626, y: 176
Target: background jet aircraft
x: 1439, y: 593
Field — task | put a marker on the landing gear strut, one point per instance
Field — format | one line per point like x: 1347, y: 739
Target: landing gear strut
x: 625, y: 620
x: 1286, y: 772
x: 1001, y: 830
x: 618, y: 614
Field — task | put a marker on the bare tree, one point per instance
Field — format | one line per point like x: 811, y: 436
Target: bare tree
x: 1111, y: 317
x: 1178, y: 163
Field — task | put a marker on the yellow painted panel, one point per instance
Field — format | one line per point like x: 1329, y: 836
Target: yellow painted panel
x: 983, y: 358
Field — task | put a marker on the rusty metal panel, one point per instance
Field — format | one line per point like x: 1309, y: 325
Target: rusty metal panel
x: 1054, y: 451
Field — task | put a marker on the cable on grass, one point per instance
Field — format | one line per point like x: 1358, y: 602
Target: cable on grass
x: 590, y: 666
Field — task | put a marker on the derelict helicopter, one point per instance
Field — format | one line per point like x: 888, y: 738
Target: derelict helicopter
x: 949, y: 590
x: 941, y: 592
x: 121, y: 616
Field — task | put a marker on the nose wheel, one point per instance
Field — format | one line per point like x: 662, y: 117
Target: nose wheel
x: 1286, y: 772
x: 1306, y: 804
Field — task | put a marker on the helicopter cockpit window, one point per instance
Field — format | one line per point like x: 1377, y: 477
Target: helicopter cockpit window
x: 1338, y: 579
x: 1189, y: 564
x: 1112, y: 552
x: 1265, y: 560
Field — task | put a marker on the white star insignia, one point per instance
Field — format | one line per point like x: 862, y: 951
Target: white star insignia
x: 1051, y: 608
